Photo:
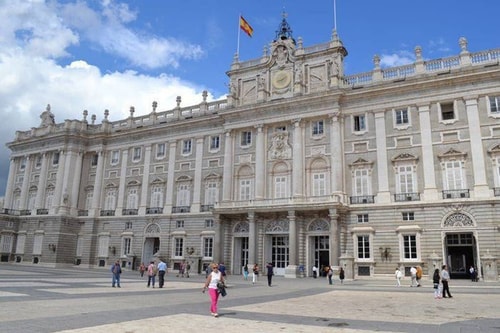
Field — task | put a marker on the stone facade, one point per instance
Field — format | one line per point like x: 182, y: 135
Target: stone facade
x: 302, y: 165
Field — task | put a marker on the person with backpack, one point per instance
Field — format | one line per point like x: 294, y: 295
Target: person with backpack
x: 116, y: 270
x: 329, y: 274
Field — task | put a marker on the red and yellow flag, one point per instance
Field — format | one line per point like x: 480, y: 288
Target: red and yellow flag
x: 246, y: 27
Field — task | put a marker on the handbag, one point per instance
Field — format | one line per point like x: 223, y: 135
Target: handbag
x: 221, y: 289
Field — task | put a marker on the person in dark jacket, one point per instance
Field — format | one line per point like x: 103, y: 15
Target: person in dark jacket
x: 435, y: 280
x: 116, y: 270
x: 270, y: 273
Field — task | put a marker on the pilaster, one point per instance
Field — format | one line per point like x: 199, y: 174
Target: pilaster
x: 383, y: 195
x: 227, y: 179
x: 145, y: 181
x: 195, y: 207
x: 430, y: 190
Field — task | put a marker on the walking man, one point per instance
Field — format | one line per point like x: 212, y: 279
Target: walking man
x: 162, y: 269
x: 116, y: 270
x: 445, y: 278
x: 270, y: 273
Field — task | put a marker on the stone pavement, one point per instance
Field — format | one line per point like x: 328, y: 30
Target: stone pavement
x: 74, y: 300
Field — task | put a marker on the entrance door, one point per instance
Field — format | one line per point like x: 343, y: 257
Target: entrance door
x: 240, y: 254
x: 279, y: 254
x: 151, y: 246
x: 460, y: 253
x: 321, y: 252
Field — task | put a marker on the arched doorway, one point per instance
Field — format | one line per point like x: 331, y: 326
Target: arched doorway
x: 240, y: 247
x: 151, y: 242
x: 319, y: 244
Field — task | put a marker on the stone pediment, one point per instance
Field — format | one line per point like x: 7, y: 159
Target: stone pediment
x: 452, y: 153
x: 361, y: 162
x: 404, y: 157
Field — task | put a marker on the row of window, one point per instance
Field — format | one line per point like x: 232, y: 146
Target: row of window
x: 178, y: 247
x: 405, y: 216
x: 408, y: 248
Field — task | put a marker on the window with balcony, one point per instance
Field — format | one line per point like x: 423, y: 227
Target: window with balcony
x: 183, y: 195
x: 211, y: 193
x: 132, y: 200
x: 110, y: 199
x: 156, y: 197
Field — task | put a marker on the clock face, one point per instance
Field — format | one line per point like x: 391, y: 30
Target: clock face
x: 281, y: 79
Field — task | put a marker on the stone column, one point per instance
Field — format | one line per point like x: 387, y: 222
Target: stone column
x: 170, y: 178
x: 58, y: 192
x: 334, y: 237
x: 26, y: 182
x: 430, y: 190
x: 227, y: 179
x: 42, y: 182
x: 337, y: 155
x: 75, y: 186
x: 198, y: 181
x: 481, y: 188
x: 252, y: 238
x: 10, y: 184
x: 217, y: 239
x: 260, y: 162
x: 96, y: 196
x: 292, y: 270
x: 383, y: 195
x: 298, y: 160
x: 121, y: 186
x: 145, y: 181
x: 63, y: 202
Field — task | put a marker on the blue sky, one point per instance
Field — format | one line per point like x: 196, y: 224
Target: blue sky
x: 112, y: 54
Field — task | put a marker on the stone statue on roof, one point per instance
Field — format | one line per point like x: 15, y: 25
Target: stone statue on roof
x: 47, y: 117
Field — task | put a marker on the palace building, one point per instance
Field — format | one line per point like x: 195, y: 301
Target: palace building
x: 301, y: 165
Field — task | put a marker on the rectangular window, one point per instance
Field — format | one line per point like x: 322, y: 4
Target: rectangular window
x: 319, y: 184
x: 214, y: 142
x: 495, y: 104
x: 410, y: 246
x: 405, y: 179
x: 179, y: 224
x: 317, y: 127
x: 447, y: 111
x: 22, y: 165
x: 137, y: 154
x: 156, y: 197
x: 55, y: 158
x: 94, y: 159
x: 361, y: 181
x: 453, y: 175
x: 208, y: 247
x: 362, y: 218
x: 186, y: 146
x: 245, y: 189
x: 280, y: 187
x: 178, y: 247
x: 128, y: 225
x: 127, y: 246
x: 160, y: 150
x: 359, y: 123
x: 211, y: 193
x: 115, y: 157
x: 246, y: 138
x: 38, y: 161
x: 183, y: 195
x: 402, y: 117
x: 364, y: 247
x: 408, y: 216
x: 209, y: 223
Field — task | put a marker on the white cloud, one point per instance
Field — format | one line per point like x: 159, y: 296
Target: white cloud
x: 396, y: 59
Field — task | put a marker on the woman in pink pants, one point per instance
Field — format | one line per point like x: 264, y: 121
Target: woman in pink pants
x: 211, y: 283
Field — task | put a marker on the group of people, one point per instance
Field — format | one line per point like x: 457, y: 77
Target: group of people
x: 152, y: 270
x: 440, y: 280
x: 328, y: 271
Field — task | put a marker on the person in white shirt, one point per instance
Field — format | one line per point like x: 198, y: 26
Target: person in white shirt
x: 398, y: 274
x: 413, y: 273
x: 211, y: 283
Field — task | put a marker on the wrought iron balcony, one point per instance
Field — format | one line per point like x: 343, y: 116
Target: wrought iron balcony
x: 206, y: 208
x: 456, y: 194
x: 25, y: 212
x: 407, y: 197
x: 154, y: 210
x: 181, y: 209
x: 107, y: 212
x: 42, y: 211
x: 130, y: 211
x: 496, y: 191
x: 15, y: 212
x: 362, y: 199
x: 83, y: 212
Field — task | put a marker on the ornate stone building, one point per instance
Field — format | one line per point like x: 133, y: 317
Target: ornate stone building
x: 302, y: 165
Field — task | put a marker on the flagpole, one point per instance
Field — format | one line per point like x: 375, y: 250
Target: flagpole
x: 239, y: 31
x: 335, y: 15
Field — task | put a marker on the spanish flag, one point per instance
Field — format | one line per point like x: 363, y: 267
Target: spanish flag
x: 246, y: 27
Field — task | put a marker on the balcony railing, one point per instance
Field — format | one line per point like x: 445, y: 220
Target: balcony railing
x: 181, y: 209
x: 456, y: 194
x: 15, y: 212
x: 42, y: 211
x: 406, y: 197
x: 496, y: 191
x: 107, y: 213
x: 83, y: 212
x: 25, y: 212
x: 206, y: 208
x: 267, y: 203
x: 130, y: 211
x: 362, y: 199
x: 154, y: 210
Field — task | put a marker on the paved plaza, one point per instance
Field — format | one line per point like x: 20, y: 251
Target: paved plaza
x: 38, y: 299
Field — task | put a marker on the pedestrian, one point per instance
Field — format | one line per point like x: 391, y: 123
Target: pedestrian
x: 315, y: 271
x: 329, y: 274
x: 445, y: 278
x: 162, y: 270
x: 222, y: 269
x: 473, y: 274
x: 255, y: 275
x: 435, y: 281
x: 341, y: 275
x: 182, y: 267
x: 419, y: 275
x: 142, y: 269
x: 476, y: 275
x: 270, y: 273
x: 211, y: 283
x: 399, y: 275
x: 188, y: 268
x: 116, y: 270
x: 151, y: 274
x: 413, y: 274
x: 245, y: 272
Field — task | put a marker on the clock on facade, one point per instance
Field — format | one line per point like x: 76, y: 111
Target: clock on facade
x: 281, y: 79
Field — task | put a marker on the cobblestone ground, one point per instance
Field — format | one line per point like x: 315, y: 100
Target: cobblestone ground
x: 38, y: 299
